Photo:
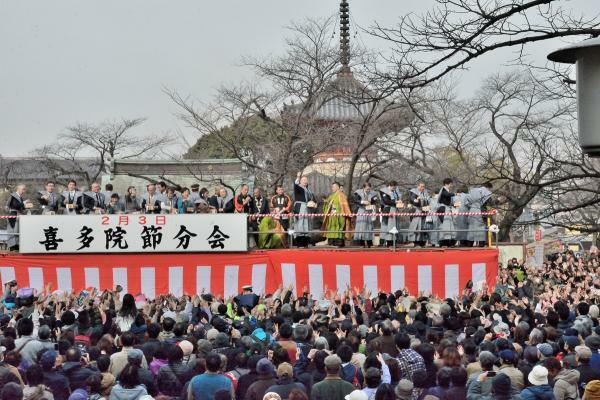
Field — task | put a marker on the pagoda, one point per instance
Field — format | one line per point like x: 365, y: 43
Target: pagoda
x: 349, y: 104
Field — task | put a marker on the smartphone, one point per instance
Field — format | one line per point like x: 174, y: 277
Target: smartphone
x: 491, y: 374
x: 56, y: 346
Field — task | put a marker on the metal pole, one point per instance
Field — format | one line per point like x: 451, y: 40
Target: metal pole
x: 489, y: 234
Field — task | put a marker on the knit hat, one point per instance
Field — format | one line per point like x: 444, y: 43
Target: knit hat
x: 204, y: 346
x: 186, y: 347
x: 285, y: 369
x: 538, y: 376
x: 333, y: 361
x: 583, y: 352
x: 592, y: 389
x: 265, y: 367
x: 545, y: 349
x: 48, y: 359
x: 501, y: 384
x: 404, y: 389
x: 356, y: 395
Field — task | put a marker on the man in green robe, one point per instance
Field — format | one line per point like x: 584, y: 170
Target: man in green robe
x: 338, y: 217
x: 271, y: 234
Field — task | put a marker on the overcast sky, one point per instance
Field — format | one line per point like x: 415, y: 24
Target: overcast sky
x: 64, y: 61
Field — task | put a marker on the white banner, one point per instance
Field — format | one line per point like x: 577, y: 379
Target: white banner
x: 127, y: 233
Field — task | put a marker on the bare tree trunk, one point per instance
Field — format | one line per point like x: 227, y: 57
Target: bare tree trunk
x: 350, y: 174
x: 507, y: 222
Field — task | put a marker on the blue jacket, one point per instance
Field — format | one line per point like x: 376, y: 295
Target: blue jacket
x: 349, y: 372
x: 541, y: 392
x: 595, y: 361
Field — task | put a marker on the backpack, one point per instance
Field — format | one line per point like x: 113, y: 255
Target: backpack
x: 83, y: 342
x: 355, y: 381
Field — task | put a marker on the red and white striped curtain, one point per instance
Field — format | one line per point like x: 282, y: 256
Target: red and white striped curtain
x: 441, y: 272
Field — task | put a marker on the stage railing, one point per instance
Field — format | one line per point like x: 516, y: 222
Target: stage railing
x: 490, y: 231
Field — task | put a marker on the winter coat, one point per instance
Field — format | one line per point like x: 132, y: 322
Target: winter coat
x: 284, y: 386
x: 257, y: 390
x: 244, y: 383
x: 541, y: 392
x: 118, y: 392
x: 77, y: 374
x: 58, y: 384
x: 565, y: 384
x: 516, y: 376
x: 36, y: 393
x: 171, y: 378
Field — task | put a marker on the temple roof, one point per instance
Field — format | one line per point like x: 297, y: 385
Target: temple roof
x: 345, y: 98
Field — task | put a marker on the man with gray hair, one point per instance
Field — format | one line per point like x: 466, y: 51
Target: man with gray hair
x: 93, y: 201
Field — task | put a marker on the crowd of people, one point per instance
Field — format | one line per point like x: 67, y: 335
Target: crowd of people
x: 273, y: 218
x: 535, y: 335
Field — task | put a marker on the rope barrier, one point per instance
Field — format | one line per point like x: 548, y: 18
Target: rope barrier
x: 424, y: 214
x: 403, y: 214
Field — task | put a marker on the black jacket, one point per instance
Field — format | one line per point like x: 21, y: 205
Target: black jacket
x: 58, y: 384
x: 172, y: 378
x: 77, y: 374
x: 586, y: 374
x: 284, y: 386
x: 149, y: 348
x: 244, y: 383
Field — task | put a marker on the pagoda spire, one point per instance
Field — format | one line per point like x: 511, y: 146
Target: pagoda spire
x: 345, y: 38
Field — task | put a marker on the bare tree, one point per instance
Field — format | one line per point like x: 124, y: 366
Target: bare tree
x: 516, y: 133
x: 303, y: 105
x: 86, y: 150
x: 448, y: 37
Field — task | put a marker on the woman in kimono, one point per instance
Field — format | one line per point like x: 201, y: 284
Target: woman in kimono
x: 419, y: 199
x: 365, y: 202
x: 390, y: 199
x: 304, y: 203
x: 479, y: 200
x: 447, y: 234
x: 15, y: 206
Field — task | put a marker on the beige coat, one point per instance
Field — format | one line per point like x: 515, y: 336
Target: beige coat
x: 516, y: 376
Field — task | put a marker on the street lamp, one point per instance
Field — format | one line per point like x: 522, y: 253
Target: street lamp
x: 586, y: 55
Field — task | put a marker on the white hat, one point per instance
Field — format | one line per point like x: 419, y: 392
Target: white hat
x: 538, y: 376
x: 357, y: 395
